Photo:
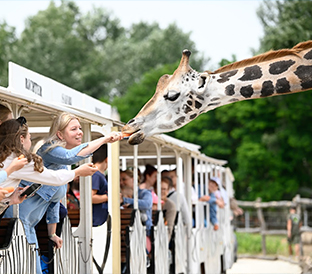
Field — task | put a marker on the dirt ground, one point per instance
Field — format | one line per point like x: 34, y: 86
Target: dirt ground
x: 256, y: 266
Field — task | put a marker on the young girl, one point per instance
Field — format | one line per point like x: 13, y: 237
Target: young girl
x: 16, y: 164
x: 14, y: 141
x: 62, y: 147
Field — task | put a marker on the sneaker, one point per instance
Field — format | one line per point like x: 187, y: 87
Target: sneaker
x: 215, y: 227
x: 148, y: 262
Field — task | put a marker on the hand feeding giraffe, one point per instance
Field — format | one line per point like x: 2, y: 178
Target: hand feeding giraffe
x: 181, y: 97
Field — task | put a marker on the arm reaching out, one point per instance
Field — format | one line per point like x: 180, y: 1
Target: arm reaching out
x: 95, y: 144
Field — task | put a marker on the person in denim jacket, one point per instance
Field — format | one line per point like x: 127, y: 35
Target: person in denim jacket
x: 145, y: 202
x: 63, y: 147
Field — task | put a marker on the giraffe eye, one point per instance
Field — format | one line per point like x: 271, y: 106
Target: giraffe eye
x: 172, y: 95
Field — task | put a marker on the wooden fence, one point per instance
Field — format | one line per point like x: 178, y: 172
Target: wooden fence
x: 262, y: 228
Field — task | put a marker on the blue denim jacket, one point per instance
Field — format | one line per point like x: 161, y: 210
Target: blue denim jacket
x: 57, y: 158
x: 145, y: 203
x: 213, y: 208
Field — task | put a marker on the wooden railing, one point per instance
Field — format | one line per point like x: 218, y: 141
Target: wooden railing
x: 257, y: 205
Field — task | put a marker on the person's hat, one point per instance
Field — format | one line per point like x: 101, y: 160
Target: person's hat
x: 217, y: 181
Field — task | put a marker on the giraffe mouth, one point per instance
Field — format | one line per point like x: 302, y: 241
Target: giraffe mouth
x: 134, y: 138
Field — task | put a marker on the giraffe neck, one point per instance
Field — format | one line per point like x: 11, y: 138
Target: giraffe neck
x: 288, y: 74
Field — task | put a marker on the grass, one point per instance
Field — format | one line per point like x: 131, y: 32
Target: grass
x: 251, y: 244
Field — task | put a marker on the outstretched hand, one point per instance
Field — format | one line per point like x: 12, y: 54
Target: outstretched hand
x: 204, y: 198
x: 113, y: 137
x: 87, y: 169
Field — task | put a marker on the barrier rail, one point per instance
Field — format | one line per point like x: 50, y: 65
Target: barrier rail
x: 263, y: 228
x: 16, y: 255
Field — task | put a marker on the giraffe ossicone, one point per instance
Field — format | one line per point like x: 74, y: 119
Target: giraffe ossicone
x: 183, y: 96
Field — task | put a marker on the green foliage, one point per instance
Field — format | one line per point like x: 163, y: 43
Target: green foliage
x: 267, y: 142
x: 7, y: 41
x: 248, y: 243
x: 251, y: 244
x: 92, y: 52
x: 143, y: 48
x: 139, y: 93
x: 285, y: 23
x: 63, y: 44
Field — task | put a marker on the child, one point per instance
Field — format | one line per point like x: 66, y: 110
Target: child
x: 99, y: 187
x: 212, y: 200
x: 15, y: 140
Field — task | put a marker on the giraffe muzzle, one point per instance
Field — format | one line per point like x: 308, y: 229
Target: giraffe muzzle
x: 136, y: 136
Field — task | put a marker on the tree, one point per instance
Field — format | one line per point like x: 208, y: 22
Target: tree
x: 144, y: 47
x: 64, y: 44
x: 285, y: 23
x: 7, y: 41
x: 139, y: 93
x: 289, y: 23
x: 93, y: 53
x: 267, y: 142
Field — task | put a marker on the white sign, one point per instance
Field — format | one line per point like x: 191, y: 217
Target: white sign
x: 35, y: 85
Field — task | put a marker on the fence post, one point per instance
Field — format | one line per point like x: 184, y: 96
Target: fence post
x: 247, y: 219
x: 262, y: 224
x: 298, y: 205
x: 298, y: 210
x: 305, y: 217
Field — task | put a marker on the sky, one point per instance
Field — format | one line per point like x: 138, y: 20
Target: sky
x: 218, y: 28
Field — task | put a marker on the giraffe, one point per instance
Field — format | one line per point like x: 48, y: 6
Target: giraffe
x: 183, y: 96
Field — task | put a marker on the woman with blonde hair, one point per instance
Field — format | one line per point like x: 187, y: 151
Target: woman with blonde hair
x: 15, y: 141
x: 62, y: 147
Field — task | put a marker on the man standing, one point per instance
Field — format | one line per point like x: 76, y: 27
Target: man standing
x: 293, y: 231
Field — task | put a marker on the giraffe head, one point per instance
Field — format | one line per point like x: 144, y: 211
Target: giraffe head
x: 178, y: 100
x: 181, y: 97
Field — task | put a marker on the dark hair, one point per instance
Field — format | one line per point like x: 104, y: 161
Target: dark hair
x: 149, y: 170
x: 10, y: 142
x: 4, y: 113
x: 100, y: 154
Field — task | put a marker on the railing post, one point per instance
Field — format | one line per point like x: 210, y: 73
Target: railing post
x: 114, y: 204
x: 247, y: 219
x: 305, y: 217
x: 298, y: 205
x: 262, y: 224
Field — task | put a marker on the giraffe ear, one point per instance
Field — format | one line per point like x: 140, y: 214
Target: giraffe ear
x: 202, y: 82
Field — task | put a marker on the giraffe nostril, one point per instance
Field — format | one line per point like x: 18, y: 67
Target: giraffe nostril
x: 131, y: 121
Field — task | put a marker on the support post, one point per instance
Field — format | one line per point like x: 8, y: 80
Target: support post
x: 84, y: 230
x: 262, y: 225
x: 114, y: 202
x: 188, y: 191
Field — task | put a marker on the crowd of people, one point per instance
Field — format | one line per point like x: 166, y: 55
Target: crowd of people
x: 48, y: 165
x: 20, y: 168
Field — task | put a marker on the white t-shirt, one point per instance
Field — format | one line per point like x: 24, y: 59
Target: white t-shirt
x: 27, y: 173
